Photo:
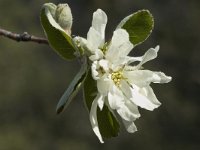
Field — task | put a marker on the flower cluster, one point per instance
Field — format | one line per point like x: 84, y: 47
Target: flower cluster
x: 122, y: 87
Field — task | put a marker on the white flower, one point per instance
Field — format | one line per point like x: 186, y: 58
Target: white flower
x: 123, y: 87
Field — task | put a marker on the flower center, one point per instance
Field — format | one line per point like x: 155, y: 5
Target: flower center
x: 117, y: 77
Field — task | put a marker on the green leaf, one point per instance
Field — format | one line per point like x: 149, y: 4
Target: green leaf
x: 108, y: 124
x: 59, y: 40
x: 72, y: 90
x: 90, y: 90
x: 139, y: 25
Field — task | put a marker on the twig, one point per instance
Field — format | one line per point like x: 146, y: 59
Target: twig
x: 25, y: 37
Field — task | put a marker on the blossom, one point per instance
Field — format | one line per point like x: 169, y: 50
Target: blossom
x: 121, y: 86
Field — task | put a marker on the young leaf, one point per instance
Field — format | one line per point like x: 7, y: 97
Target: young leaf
x: 72, y: 89
x: 108, y: 124
x: 139, y: 25
x: 59, y: 40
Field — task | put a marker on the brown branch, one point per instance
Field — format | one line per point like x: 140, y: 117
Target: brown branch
x: 25, y: 37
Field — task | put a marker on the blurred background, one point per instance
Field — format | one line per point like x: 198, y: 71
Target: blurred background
x: 33, y: 78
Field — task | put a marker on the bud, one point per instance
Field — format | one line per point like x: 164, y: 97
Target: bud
x: 63, y: 17
x: 52, y: 8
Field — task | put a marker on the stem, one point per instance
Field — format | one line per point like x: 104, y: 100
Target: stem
x: 24, y: 37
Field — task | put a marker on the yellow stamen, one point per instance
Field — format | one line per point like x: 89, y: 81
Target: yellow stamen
x: 117, y: 77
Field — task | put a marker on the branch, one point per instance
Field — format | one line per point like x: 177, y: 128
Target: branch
x: 25, y: 37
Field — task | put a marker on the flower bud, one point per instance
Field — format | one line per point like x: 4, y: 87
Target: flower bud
x: 63, y: 17
x: 52, y: 8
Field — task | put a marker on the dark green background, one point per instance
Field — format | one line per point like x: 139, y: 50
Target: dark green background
x: 33, y: 78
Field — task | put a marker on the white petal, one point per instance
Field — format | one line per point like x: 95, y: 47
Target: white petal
x: 128, y: 111
x: 99, y: 22
x: 120, y: 45
x: 142, y: 101
x: 94, y: 40
x: 115, y: 98
x: 149, y: 55
x: 96, y: 33
x: 130, y: 126
x: 97, y: 54
x: 145, y: 77
x: 121, y: 62
x: 93, y: 119
x: 125, y: 87
x: 137, y: 98
x: 148, y: 92
x: 101, y: 101
x: 103, y: 85
x: 95, y: 66
x: 125, y: 61
x: 132, y: 59
x: 160, y: 77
